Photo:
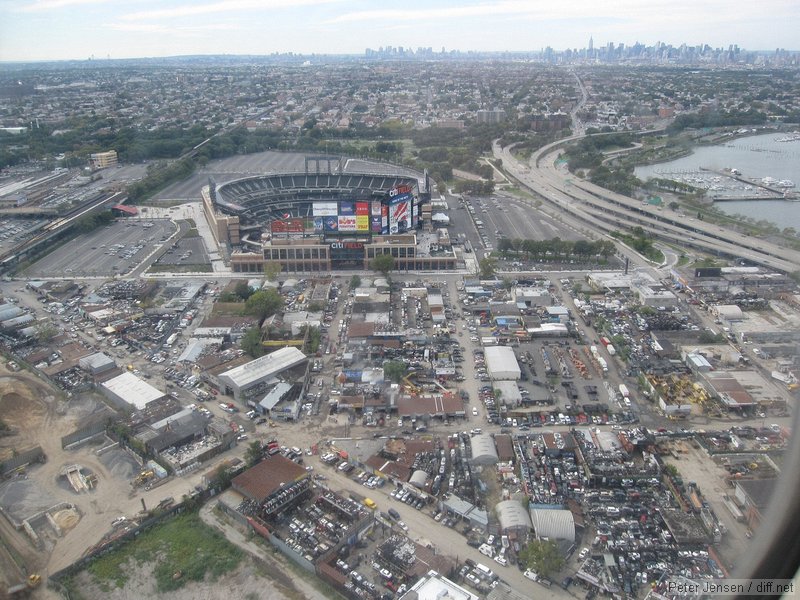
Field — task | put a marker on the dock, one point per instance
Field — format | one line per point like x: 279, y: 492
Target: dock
x: 777, y: 193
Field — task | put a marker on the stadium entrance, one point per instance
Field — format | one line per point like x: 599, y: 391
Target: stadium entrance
x: 347, y: 255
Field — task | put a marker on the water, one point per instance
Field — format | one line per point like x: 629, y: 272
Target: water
x: 755, y: 157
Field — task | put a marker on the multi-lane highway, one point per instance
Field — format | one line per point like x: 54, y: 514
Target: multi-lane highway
x: 609, y: 211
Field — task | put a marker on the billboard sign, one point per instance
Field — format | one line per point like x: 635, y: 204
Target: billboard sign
x: 362, y: 209
x: 376, y: 208
x: 375, y: 224
x: 347, y: 246
x: 384, y: 219
x: 399, y: 217
x: 325, y: 209
x: 331, y: 224
x: 400, y: 198
x: 287, y: 226
x: 346, y: 208
x: 347, y: 224
x: 362, y: 223
x: 400, y: 190
x: 318, y: 225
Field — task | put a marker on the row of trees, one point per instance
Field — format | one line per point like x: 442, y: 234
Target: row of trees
x: 556, y: 248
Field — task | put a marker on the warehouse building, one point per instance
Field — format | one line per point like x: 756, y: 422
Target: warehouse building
x: 554, y: 524
x: 129, y: 392
x: 513, y: 517
x: 501, y: 363
x: 275, y: 483
x: 252, y: 379
x: 97, y: 363
x: 483, y: 450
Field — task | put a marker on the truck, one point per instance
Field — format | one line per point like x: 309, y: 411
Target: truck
x: 611, y: 350
x: 623, y: 389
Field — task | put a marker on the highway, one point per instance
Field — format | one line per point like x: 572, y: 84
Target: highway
x: 609, y: 211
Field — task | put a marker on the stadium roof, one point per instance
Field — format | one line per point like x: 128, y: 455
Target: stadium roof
x: 512, y: 515
x: 263, y: 368
x: 556, y: 524
x: 131, y: 389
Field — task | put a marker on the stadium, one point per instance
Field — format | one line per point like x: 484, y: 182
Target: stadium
x: 330, y: 217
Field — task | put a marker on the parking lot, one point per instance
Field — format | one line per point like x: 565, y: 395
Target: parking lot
x: 113, y: 250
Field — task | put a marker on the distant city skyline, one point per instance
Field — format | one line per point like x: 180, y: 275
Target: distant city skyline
x: 35, y: 30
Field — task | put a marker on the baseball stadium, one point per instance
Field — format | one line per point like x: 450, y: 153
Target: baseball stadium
x: 327, y: 218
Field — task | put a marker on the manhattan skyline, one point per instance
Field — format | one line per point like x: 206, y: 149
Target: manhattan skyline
x: 36, y: 30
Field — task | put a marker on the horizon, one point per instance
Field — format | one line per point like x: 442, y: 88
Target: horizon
x: 79, y: 30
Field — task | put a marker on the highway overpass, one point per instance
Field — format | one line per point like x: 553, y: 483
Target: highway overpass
x: 608, y: 211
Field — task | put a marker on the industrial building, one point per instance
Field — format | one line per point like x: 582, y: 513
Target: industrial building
x: 129, y: 392
x: 483, y: 449
x: 275, y: 483
x: 554, y: 524
x: 513, y: 517
x: 501, y: 363
x: 252, y: 379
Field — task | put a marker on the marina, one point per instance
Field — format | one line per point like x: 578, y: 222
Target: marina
x: 760, y: 163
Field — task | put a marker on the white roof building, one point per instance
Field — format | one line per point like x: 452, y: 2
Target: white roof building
x: 434, y: 586
x: 513, y: 516
x: 129, y: 389
x: 484, y: 451
x: 509, y: 392
x: 555, y: 524
x: 250, y: 376
x: 501, y: 363
x: 96, y: 363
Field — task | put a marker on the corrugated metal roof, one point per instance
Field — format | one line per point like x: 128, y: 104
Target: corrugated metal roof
x: 262, y: 368
x: 553, y: 524
x: 512, y: 515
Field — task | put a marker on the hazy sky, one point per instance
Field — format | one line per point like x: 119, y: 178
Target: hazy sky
x: 78, y: 29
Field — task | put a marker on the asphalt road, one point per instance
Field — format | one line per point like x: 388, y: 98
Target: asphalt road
x: 607, y: 211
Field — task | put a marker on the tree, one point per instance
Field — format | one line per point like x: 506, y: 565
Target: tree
x: 487, y: 267
x: 542, y: 557
x: 253, y: 453
x: 264, y: 303
x: 243, y: 290
x: 355, y: 281
x: 383, y: 263
x: 272, y: 270
x: 674, y: 205
x: 395, y: 370
x: 251, y: 342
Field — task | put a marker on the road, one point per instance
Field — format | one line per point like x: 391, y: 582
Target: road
x: 609, y: 211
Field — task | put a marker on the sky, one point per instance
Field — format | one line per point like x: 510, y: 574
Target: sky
x: 78, y: 29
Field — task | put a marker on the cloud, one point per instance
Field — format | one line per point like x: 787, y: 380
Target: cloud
x: 541, y: 10
x: 43, y: 5
x: 230, y: 6
x: 185, y: 31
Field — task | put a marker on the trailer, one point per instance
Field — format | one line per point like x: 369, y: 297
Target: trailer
x: 623, y: 389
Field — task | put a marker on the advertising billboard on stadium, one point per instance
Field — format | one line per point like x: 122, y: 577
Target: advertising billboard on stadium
x: 362, y: 209
x: 400, y: 216
x: 346, y: 208
x: 331, y: 224
x: 325, y: 209
x: 318, y: 225
x: 362, y: 223
x: 376, y: 208
x: 347, y: 224
x: 375, y: 224
x: 287, y: 226
x: 384, y: 219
